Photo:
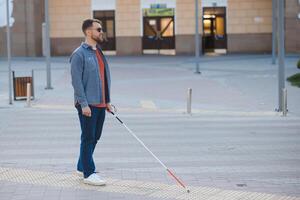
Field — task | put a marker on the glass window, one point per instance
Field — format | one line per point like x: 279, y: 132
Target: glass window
x: 110, y: 28
x: 220, y: 26
x: 207, y: 26
x: 169, y: 31
x: 148, y: 30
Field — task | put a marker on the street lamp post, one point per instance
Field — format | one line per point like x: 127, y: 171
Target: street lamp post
x: 197, y: 40
x: 47, y: 43
x: 8, y: 51
x: 281, y: 54
x: 274, y: 30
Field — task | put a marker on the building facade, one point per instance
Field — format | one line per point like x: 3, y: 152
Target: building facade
x: 135, y: 27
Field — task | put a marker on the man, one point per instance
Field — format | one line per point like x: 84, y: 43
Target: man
x: 91, y: 82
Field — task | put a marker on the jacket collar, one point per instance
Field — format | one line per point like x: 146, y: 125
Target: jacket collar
x: 86, y: 46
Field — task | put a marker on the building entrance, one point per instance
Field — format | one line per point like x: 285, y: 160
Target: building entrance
x: 108, y: 24
x: 158, y: 29
x: 214, y: 29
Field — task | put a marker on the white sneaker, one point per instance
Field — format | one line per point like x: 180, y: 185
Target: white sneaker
x: 94, y: 179
x: 79, y: 173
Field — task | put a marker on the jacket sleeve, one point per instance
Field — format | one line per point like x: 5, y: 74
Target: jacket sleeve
x: 76, y: 75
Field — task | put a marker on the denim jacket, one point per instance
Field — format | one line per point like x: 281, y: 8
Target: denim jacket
x: 86, y: 77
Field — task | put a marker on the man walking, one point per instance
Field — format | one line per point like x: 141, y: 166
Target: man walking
x: 91, y: 82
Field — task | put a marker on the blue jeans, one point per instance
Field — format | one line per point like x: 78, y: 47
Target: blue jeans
x: 91, y: 129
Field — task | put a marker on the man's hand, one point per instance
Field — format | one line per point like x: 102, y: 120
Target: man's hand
x: 111, y: 108
x: 86, y: 111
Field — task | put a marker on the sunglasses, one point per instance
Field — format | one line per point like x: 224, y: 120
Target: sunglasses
x: 98, y: 29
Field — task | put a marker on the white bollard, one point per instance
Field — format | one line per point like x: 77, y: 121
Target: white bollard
x: 28, y: 93
x: 189, y: 101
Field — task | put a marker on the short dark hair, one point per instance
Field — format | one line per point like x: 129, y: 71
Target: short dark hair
x: 89, y: 23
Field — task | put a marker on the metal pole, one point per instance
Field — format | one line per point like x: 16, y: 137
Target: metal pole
x: 197, y: 40
x: 284, y: 102
x: 189, y: 101
x: 28, y: 94
x: 274, y: 28
x: 281, y: 54
x: 44, y: 39
x: 32, y: 86
x: 8, y: 51
x: 48, y: 70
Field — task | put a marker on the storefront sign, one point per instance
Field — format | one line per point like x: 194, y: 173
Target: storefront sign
x: 158, y: 12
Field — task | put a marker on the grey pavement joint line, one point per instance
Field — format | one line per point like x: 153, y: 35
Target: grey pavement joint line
x: 147, y: 189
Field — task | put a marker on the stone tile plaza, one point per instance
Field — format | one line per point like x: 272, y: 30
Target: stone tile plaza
x: 227, y: 139
x: 233, y: 146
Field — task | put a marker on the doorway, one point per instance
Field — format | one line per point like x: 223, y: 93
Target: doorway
x: 214, y: 30
x: 108, y: 24
x: 159, y: 31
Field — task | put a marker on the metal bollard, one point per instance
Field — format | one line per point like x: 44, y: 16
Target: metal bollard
x: 189, y: 101
x: 284, y: 102
x: 32, y: 87
x: 28, y: 98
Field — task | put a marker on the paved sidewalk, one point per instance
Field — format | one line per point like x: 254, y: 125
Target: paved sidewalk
x: 246, y: 83
x: 218, y: 157
x: 233, y: 146
x: 145, y: 189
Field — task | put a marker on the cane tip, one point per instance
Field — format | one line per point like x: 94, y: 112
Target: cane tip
x: 188, y: 191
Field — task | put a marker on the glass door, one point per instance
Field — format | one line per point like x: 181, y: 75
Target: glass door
x: 108, y: 24
x: 214, y: 29
x: 159, y: 33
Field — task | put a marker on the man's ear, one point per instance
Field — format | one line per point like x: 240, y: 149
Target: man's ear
x: 87, y: 32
